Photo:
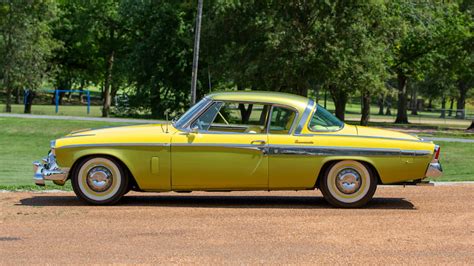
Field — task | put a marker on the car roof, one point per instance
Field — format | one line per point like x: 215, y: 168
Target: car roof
x: 287, y: 99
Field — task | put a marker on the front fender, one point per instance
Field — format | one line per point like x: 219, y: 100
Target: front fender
x: 149, y: 165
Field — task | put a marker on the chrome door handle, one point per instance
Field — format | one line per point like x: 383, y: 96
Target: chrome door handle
x: 258, y: 142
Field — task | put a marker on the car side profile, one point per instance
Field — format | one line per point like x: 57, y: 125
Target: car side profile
x: 232, y: 141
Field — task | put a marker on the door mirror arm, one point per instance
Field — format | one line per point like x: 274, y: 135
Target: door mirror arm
x: 188, y: 131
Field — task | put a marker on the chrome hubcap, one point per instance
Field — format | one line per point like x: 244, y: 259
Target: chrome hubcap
x: 348, y: 181
x: 99, y: 178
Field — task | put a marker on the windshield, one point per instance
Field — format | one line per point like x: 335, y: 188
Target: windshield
x: 323, y: 120
x: 190, y: 113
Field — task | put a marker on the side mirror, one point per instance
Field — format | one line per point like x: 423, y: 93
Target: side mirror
x: 194, y: 129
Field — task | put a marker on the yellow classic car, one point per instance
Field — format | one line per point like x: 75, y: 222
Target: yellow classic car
x: 240, y: 141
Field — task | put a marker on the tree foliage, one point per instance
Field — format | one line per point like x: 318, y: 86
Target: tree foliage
x: 367, y: 49
x: 26, y: 44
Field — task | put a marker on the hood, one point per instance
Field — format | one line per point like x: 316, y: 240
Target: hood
x: 124, y: 130
x: 145, y: 133
x: 383, y: 133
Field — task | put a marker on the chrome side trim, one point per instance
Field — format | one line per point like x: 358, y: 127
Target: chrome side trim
x: 336, y: 151
x: 311, y: 150
x: 360, y: 136
x: 115, y: 145
x: 223, y: 145
x: 414, y: 153
x: 276, y: 149
x: 76, y: 136
x: 304, y: 117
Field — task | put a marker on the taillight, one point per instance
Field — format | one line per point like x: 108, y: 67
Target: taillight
x: 437, y: 150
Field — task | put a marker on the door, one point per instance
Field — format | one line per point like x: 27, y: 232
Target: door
x: 289, y: 166
x: 225, y: 149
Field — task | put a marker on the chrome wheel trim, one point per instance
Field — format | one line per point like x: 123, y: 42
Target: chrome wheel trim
x: 99, y: 178
x: 356, y: 195
x: 115, y: 181
x: 348, y: 181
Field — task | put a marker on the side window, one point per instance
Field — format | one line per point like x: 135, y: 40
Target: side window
x: 203, y: 122
x: 282, y: 119
x: 323, y: 120
x: 238, y: 118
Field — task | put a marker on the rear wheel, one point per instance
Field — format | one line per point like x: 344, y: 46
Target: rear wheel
x: 348, y: 184
x: 99, y: 180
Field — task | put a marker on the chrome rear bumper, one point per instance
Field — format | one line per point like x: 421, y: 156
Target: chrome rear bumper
x: 434, y: 170
x: 49, y: 170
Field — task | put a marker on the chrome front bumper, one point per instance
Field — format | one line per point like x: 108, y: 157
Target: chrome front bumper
x: 49, y: 170
x: 434, y: 170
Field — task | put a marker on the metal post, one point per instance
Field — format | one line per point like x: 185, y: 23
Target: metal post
x: 197, y: 37
x: 57, y: 100
x: 88, y: 102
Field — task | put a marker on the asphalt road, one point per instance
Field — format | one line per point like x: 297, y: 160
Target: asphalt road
x: 429, y: 225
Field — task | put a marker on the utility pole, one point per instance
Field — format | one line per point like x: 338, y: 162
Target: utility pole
x: 197, y: 37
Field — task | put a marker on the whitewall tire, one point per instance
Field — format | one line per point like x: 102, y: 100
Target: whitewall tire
x: 348, y: 184
x: 99, y: 180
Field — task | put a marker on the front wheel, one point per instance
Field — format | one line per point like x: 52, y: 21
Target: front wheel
x: 348, y: 184
x: 99, y: 180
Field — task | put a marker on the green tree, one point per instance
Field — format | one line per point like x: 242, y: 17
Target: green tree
x: 159, y: 54
x: 296, y: 46
x: 26, y: 44
x: 352, y: 52
x: 421, y: 32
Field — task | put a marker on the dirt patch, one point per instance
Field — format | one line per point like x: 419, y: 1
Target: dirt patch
x: 429, y: 225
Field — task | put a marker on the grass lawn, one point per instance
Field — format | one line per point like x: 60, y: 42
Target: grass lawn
x: 457, y: 160
x: 24, y: 140
x: 69, y: 110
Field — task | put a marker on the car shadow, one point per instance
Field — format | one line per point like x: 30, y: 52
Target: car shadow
x: 267, y: 202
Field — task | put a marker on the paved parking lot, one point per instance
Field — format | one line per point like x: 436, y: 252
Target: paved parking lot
x: 401, y: 225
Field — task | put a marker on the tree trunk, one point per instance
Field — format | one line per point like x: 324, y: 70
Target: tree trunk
x: 108, y: 81
x: 381, y: 104
x: 155, y: 101
x: 325, y: 98
x: 364, y: 120
x: 443, y: 108
x: 30, y: 95
x: 113, y: 90
x: 471, y: 127
x: 451, y: 105
x: 8, y: 100
x: 303, y: 91
x: 414, y: 106
x: 461, y: 103
x: 402, y: 116
x: 63, y: 85
x: 340, y: 99
x: 389, y: 105
x: 245, y: 113
x: 263, y: 115
x: 17, y: 96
